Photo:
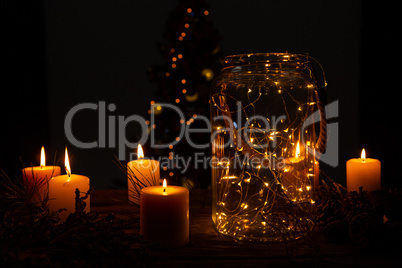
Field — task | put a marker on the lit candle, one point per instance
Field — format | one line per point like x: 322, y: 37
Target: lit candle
x: 36, y: 178
x: 164, y: 215
x: 62, y: 191
x: 297, y: 158
x: 363, y: 172
x: 294, y: 178
x: 141, y: 173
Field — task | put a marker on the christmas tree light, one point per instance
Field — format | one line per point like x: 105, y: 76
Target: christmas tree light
x: 191, y: 50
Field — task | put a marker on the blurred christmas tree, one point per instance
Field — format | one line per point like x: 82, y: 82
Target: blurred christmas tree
x: 192, y: 53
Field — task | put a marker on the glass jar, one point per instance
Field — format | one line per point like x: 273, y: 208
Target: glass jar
x: 264, y: 138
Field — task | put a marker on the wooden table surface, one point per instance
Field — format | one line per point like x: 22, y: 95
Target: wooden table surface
x: 208, y: 249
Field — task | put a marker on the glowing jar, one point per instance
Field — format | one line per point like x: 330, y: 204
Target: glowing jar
x: 268, y: 126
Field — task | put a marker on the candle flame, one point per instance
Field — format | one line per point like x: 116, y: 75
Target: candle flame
x: 140, y: 152
x: 363, y: 155
x: 164, y: 185
x: 297, y: 149
x: 67, y: 164
x: 42, y: 157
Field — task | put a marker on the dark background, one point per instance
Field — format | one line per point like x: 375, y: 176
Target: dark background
x: 62, y: 53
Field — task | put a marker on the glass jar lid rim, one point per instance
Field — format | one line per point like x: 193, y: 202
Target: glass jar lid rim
x: 255, y: 58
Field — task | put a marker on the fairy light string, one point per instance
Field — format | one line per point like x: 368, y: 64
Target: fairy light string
x: 255, y: 202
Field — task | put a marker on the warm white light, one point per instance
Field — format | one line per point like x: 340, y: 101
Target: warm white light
x: 297, y: 149
x: 164, y: 185
x: 67, y: 164
x: 363, y: 155
x: 140, y: 152
x: 228, y: 177
x: 42, y: 157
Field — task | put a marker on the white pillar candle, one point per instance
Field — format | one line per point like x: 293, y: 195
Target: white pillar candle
x: 363, y: 172
x: 36, y: 179
x: 62, y: 191
x: 141, y: 173
x: 164, y: 215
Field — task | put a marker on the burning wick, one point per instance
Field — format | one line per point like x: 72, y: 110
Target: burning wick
x: 164, y: 185
x: 363, y: 156
x: 297, y: 150
x: 140, y: 152
x: 42, y: 158
x: 67, y: 164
